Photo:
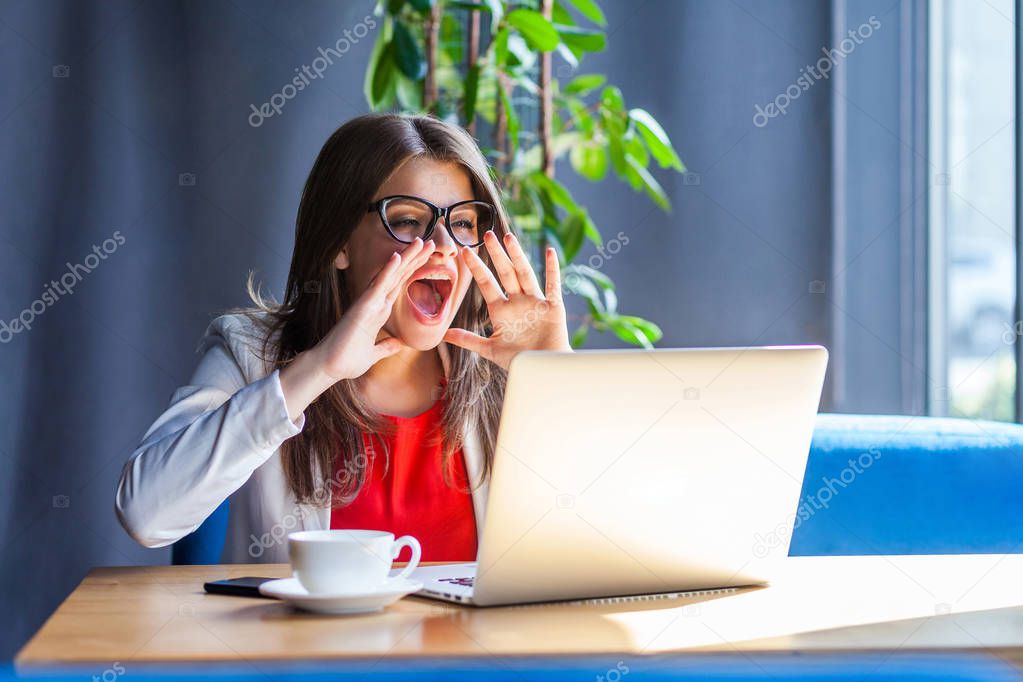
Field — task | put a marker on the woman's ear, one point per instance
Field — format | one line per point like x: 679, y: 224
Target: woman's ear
x: 341, y: 260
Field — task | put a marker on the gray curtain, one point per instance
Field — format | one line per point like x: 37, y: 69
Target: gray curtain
x: 133, y: 178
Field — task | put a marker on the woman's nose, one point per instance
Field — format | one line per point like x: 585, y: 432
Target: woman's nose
x: 445, y: 244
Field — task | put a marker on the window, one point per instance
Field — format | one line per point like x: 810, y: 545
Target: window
x: 972, y: 329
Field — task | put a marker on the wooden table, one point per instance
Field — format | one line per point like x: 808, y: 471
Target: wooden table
x: 866, y: 604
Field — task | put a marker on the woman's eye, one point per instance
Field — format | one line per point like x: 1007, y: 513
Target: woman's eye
x: 405, y: 222
x: 463, y: 225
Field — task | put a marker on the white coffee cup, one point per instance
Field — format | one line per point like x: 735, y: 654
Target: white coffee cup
x: 341, y: 561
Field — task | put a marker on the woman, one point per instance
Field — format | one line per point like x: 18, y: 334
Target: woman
x: 369, y: 398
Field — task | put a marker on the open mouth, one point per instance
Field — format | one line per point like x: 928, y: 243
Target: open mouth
x: 429, y: 294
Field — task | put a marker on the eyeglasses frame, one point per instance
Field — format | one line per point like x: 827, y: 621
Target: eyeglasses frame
x: 438, y: 213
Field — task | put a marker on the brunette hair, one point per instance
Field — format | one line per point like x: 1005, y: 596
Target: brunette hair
x: 350, y: 168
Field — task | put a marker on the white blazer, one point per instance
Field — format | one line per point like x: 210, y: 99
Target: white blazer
x: 220, y: 439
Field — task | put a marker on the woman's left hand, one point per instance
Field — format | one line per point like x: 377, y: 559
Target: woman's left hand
x: 523, y: 316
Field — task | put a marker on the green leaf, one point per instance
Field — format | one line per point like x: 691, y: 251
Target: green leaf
x: 611, y: 98
x: 409, y: 92
x: 602, y: 280
x: 501, y: 47
x: 394, y: 6
x: 512, y: 121
x: 636, y: 149
x: 451, y: 38
x: 580, y: 115
x: 519, y: 48
x: 592, y: 233
x: 558, y: 193
x: 538, y: 32
x: 409, y: 57
x: 582, y: 286
x: 496, y: 13
x: 590, y: 10
x: 579, y: 336
x: 656, y: 140
x: 567, y: 55
x: 472, y: 82
x: 571, y: 233
x: 628, y: 332
x: 589, y: 161
x: 585, y: 84
x: 649, y: 329
x: 653, y: 188
x: 379, y: 83
x: 581, y: 39
x: 610, y: 300
x: 560, y: 15
x: 423, y: 6
x: 616, y: 151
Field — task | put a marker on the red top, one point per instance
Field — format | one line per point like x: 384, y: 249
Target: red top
x: 412, y: 497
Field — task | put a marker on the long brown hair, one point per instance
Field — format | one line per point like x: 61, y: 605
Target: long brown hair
x: 352, y: 165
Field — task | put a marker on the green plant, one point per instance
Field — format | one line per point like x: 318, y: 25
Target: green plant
x: 428, y: 58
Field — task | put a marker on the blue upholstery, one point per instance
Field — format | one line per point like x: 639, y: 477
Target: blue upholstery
x: 917, y: 485
x: 926, y: 486
x: 204, y: 544
x: 885, y: 666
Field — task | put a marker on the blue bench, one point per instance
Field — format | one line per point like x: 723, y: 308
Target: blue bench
x: 875, y: 484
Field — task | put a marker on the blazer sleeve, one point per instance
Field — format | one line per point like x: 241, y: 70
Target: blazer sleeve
x: 216, y: 432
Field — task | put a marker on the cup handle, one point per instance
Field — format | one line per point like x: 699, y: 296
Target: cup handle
x: 417, y: 551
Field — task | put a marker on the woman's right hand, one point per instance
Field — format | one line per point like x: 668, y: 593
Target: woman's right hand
x: 354, y: 344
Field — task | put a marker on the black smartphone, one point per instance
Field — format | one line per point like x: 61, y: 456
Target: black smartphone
x: 238, y: 587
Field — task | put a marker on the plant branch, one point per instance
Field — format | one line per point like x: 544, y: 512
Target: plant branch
x: 431, y: 34
x: 473, y: 56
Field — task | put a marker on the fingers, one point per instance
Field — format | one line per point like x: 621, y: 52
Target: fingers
x: 400, y: 266
x: 484, y: 277
x: 502, y: 264
x: 469, y: 341
x: 553, y: 276
x: 409, y: 269
x: 523, y: 270
x: 387, y: 348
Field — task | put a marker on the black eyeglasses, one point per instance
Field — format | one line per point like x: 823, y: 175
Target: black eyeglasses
x: 407, y: 217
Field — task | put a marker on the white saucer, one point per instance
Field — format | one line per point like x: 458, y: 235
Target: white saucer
x: 291, y: 591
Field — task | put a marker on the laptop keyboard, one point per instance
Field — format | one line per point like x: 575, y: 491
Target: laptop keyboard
x: 462, y: 582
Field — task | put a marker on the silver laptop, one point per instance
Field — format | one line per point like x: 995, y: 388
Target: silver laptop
x: 625, y: 473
